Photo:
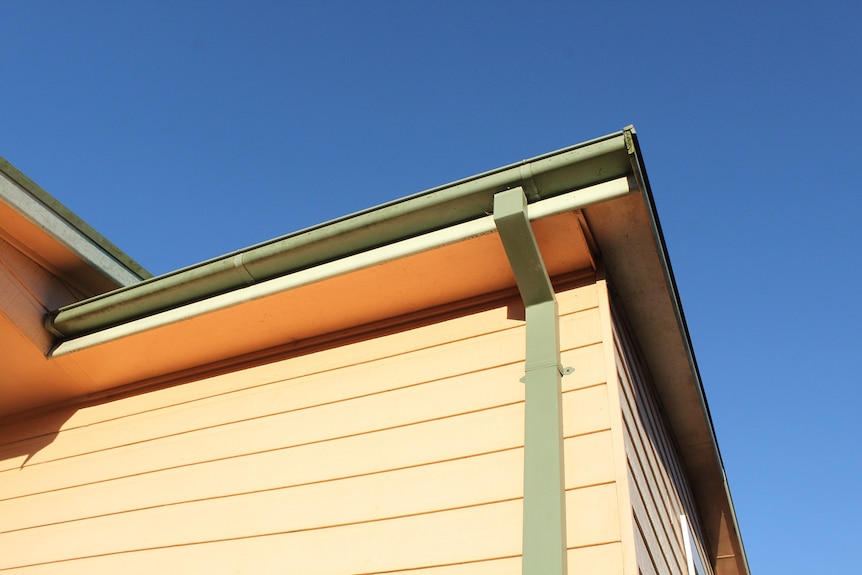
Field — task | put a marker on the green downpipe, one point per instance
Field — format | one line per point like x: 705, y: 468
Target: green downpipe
x: 544, y: 544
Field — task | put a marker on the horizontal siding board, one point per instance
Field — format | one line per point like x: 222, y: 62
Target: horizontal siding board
x: 470, y: 534
x: 592, y: 516
x: 655, y: 496
x: 463, y: 326
x: 505, y: 566
x: 646, y: 565
x: 604, y: 559
x: 225, y: 442
x: 460, y: 535
x: 665, y: 458
x: 302, y: 362
x: 445, y: 398
x: 586, y: 456
x: 576, y: 299
x: 412, y: 491
x: 585, y: 411
x: 440, y: 440
x: 641, y: 510
x: 656, y: 518
x: 357, y: 448
x: 588, y: 364
x: 479, y: 432
x: 589, y: 460
x: 663, y: 454
x: 268, y: 397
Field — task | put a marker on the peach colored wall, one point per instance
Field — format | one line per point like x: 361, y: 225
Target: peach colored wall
x: 27, y: 291
x: 595, y: 518
x: 399, y: 451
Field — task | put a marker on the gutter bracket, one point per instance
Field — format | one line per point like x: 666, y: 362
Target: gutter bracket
x: 544, y: 550
x: 528, y: 183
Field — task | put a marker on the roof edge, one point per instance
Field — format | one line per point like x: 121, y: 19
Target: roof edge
x: 60, y: 211
x: 593, y: 162
x: 545, y: 176
x: 643, y: 182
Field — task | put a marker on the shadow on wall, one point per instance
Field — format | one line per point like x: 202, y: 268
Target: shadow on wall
x: 22, y: 439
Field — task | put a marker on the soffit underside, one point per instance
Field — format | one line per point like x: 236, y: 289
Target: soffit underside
x: 640, y: 278
x: 430, y: 279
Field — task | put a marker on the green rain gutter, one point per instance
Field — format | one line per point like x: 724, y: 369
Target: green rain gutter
x: 544, y: 551
x: 547, y: 176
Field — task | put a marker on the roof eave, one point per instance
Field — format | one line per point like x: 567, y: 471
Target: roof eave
x: 634, y: 252
x: 632, y: 245
x: 32, y: 203
x: 546, y: 176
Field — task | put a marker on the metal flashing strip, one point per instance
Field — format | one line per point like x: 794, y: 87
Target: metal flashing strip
x: 544, y: 550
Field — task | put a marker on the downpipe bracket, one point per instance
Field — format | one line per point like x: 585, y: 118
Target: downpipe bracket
x: 564, y: 371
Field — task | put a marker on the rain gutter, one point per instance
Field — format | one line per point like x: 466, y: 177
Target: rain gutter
x: 438, y: 238
x: 547, y: 176
x: 544, y: 548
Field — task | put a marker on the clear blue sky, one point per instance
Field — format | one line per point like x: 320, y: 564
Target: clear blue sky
x: 184, y: 130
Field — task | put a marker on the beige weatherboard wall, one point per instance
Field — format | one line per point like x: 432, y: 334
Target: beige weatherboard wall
x: 48, y: 258
x: 348, y: 399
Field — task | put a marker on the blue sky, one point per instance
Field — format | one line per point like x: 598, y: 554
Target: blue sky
x: 184, y: 130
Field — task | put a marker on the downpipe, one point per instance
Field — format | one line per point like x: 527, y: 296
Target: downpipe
x: 544, y: 543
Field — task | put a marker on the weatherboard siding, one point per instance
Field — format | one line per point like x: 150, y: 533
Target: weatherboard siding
x: 659, y: 491
x: 400, y: 450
